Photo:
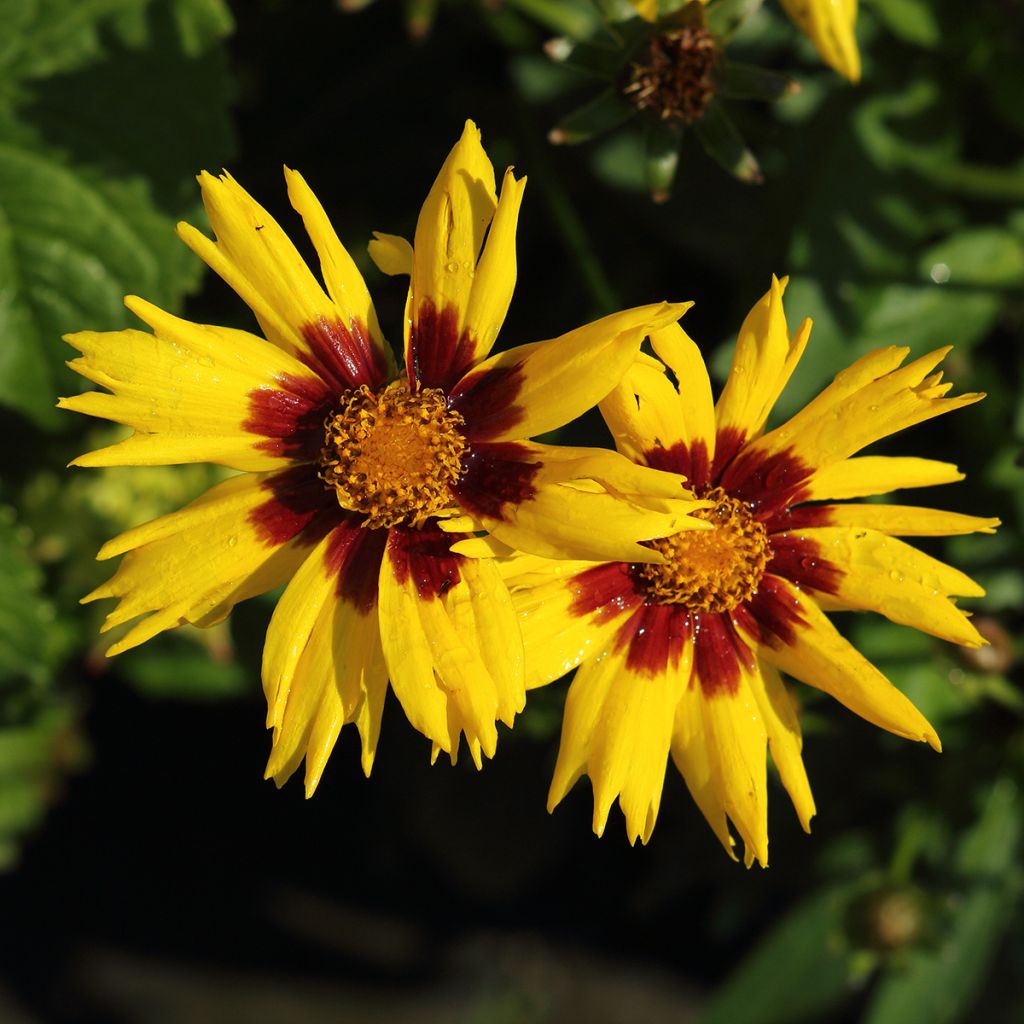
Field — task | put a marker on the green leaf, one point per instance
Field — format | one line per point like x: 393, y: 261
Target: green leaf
x: 938, y: 986
x: 34, y: 756
x: 913, y: 21
x: 798, y: 969
x: 606, y: 111
x: 726, y: 17
x: 30, y: 643
x: 736, y: 81
x: 723, y: 143
x: 96, y: 166
x: 662, y: 142
x: 989, y: 257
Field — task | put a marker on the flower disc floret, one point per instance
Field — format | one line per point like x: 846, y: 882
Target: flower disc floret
x: 674, y: 79
x: 710, y: 570
x: 393, y: 454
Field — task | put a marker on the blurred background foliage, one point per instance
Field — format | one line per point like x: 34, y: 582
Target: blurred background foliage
x: 150, y: 875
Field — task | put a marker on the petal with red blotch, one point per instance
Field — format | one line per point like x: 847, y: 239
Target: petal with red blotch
x: 241, y: 538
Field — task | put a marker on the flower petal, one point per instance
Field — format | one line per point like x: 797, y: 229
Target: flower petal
x: 643, y: 411
x: 198, y: 394
x: 895, y: 520
x: 535, y: 388
x: 256, y: 258
x: 557, y: 520
x: 241, y: 538
x: 496, y: 272
x: 868, y: 475
x: 322, y: 662
x: 829, y: 24
x: 779, y: 713
x: 691, y: 752
x: 882, y: 574
x: 870, y: 400
x: 696, y: 404
x: 566, y: 619
x: 737, y: 740
x: 794, y: 635
x: 392, y: 254
x: 618, y: 729
x: 449, y: 236
x: 441, y: 616
x: 345, y: 283
x: 764, y: 358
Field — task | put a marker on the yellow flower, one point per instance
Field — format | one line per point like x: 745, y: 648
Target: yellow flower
x: 685, y: 657
x: 829, y: 24
x: 356, y: 480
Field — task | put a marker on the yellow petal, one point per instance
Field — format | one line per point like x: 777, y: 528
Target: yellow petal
x: 819, y: 656
x: 449, y: 236
x: 614, y: 472
x: 256, y: 258
x: 559, y: 628
x: 885, y: 575
x: 345, y: 283
x: 322, y: 662
x: 736, y: 742
x: 691, y: 752
x: 779, y: 713
x: 558, y: 521
x: 617, y: 729
x: 195, y: 394
x: 878, y: 474
x: 762, y: 363
x: 392, y: 254
x: 408, y: 655
x: 643, y: 413
x: 496, y: 272
x: 830, y: 24
x: 535, y: 388
x: 906, y: 520
x: 870, y: 400
x: 696, y: 405
x: 236, y: 541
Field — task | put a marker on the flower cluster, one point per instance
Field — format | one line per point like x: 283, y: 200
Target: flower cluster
x: 427, y: 545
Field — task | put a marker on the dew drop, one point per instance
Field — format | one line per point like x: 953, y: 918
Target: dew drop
x: 232, y: 541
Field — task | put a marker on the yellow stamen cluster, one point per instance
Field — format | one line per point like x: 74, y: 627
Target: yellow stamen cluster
x: 393, y: 455
x: 675, y: 78
x: 711, y: 570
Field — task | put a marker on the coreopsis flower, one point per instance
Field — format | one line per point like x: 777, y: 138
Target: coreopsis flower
x: 357, y: 479
x: 685, y: 657
x: 830, y: 25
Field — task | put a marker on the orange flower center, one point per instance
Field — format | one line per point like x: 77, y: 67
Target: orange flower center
x: 710, y: 570
x: 393, y: 455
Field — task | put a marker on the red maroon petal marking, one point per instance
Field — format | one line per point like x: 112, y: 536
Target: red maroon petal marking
x: 656, y: 635
x: 343, y: 355
x: 496, y: 475
x: 772, y: 615
x: 604, y: 591
x: 690, y: 461
x: 290, y: 417
x: 299, y: 503
x: 728, y: 442
x: 354, y: 555
x: 425, y: 556
x: 718, y: 654
x: 800, y: 561
x: 438, y: 353
x: 800, y: 518
x: 485, y: 400
x: 767, y: 481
